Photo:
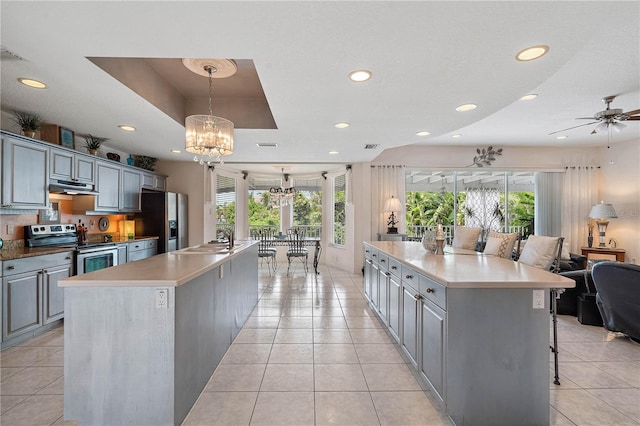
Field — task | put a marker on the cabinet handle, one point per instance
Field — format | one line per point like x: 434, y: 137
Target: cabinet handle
x: 366, y: 251
x: 45, y: 271
x: 417, y: 297
x: 10, y: 267
x: 409, y: 277
x: 67, y: 258
x: 429, y: 290
x: 393, y: 267
x: 387, y: 274
x: 374, y: 255
x: 382, y: 260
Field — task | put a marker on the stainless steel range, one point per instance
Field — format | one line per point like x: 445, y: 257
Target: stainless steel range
x: 89, y: 257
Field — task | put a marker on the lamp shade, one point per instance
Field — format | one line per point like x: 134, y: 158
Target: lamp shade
x: 392, y: 205
x: 602, y: 211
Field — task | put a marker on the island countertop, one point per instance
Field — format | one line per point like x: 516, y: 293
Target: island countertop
x: 167, y: 270
x: 459, y: 268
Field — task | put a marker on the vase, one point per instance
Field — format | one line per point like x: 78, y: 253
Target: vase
x: 29, y: 133
x: 93, y: 151
x: 590, y: 241
x: 130, y: 160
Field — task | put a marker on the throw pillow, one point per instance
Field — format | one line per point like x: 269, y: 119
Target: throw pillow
x: 499, y: 244
x: 465, y: 238
x: 539, y: 252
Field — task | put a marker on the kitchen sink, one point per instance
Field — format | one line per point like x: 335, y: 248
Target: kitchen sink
x: 210, y: 248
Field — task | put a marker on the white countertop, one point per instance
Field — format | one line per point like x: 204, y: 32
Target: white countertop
x: 459, y: 268
x: 163, y: 270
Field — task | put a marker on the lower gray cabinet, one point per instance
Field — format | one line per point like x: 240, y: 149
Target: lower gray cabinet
x: 432, y: 337
x: 409, y: 337
x: 395, y: 293
x: 122, y: 254
x: 368, y: 272
x: 31, y: 297
x: 383, y: 294
x: 142, y: 249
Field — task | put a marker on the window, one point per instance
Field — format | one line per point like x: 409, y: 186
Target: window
x: 307, y: 207
x: 339, y: 218
x: 225, y: 203
x: 263, y: 213
x: 469, y: 198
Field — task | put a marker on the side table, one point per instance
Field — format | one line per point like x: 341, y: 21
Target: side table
x: 392, y: 237
x: 604, y: 253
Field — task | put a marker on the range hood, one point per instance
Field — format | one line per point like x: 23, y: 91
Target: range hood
x: 70, y: 188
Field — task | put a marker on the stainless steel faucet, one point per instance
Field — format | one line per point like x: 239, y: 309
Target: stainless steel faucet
x: 229, y: 235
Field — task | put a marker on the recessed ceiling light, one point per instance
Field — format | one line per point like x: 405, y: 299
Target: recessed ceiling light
x: 562, y: 137
x: 466, y: 107
x: 457, y: 135
x: 333, y: 152
x: 127, y: 128
x: 423, y: 133
x: 360, y: 75
x: 529, y: 97
x: 531, y: 53
x: 342, y: 125
x: 176, y: 151
x: 32, y: 83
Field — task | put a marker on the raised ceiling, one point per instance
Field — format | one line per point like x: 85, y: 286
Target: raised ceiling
x: 426, y: 58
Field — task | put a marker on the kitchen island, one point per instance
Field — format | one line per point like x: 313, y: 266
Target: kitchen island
x: 475, y: 327
x: 141, y: 340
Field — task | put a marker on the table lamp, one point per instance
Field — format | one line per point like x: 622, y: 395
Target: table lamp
x: 392, y: 205
x: 601, y: 212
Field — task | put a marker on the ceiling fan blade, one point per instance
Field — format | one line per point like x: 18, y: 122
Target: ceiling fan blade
x: 635, y: 118
x: 634, y: 112
x: 586, y: 118
x: 574, y: 127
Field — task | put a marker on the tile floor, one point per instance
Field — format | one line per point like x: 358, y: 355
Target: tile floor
x: 314, y: 353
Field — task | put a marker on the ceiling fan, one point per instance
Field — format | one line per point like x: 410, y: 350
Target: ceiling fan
x: 607, y: 118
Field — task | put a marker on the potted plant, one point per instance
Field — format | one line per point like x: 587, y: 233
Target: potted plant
x: 29, y: 123
x: 92, y: 143
x: 146, y: 162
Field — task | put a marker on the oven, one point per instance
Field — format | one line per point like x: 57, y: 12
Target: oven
x: 95, y: 257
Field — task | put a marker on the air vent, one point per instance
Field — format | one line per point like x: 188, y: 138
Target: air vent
x: 267, y: 145
x: 7, y: 54
x: 371, y: 146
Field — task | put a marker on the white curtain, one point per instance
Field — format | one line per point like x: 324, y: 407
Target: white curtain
x: 580, y: 194
x: 548, y: 204
x: 386, y: 181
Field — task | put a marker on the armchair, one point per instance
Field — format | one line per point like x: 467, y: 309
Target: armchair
x: 618, y: 298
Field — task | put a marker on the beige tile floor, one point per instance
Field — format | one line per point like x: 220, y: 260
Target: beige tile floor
x: 314, y: 353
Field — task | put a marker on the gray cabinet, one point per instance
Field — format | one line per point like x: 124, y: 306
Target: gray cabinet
x: 409, y: 336
x: 108, y: 187
x: 25, y: 174
x: 154, y: 182
x: 432, y: 336
x: 142, y: 249
x: 65, y: 165
x: 395, y: 294
x: 30, y: 293
x: 122, y: 254
x: 130, y: 191
x: 383, y: 288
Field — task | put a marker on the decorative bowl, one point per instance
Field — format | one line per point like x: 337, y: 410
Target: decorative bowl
x: 113, y: 156
x: 429, y: 241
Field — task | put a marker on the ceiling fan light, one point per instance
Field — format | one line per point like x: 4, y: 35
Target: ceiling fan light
x: 618, y: 127
x: 602, y: 127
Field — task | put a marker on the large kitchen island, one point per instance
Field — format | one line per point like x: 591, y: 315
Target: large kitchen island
x: 475, y: 327
x: 142, y: 339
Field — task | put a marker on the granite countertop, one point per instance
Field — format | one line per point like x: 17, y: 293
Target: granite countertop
x: 15, y: 249
x: 163, y: 270
x: 459, y: 268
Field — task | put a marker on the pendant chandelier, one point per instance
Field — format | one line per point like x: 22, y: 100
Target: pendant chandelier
x: 281, y: 195
x: 209, y: 137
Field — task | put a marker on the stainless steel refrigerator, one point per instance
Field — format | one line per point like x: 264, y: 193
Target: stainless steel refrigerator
x: 164, y: 214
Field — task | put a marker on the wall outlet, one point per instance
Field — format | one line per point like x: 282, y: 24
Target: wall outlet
x: 11, y: 229
x: 162, y: 298
x: 538, y: 299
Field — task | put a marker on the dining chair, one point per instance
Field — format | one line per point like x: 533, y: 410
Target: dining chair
x: 296, y: 248
x: 266, y: 251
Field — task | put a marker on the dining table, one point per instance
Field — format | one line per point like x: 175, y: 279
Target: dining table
x: 280, y: 241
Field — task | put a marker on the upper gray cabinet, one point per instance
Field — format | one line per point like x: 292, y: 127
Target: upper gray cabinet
x: 65, y: 165
x: 130, y: 191
x: 154, y: 182
x: 108, y: 187
x: 25, y: 174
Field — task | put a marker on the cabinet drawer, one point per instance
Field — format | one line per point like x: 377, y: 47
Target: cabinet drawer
x: 431, y: 290
x: 383, y: 261
x: 367, y: 251
x: 151, y: 244
x: 395, y: 267
x: 374, y: 255
x: 18, y: 266
x: 410, y: 278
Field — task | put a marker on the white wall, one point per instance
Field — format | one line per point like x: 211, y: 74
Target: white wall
x: 619, y: 184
